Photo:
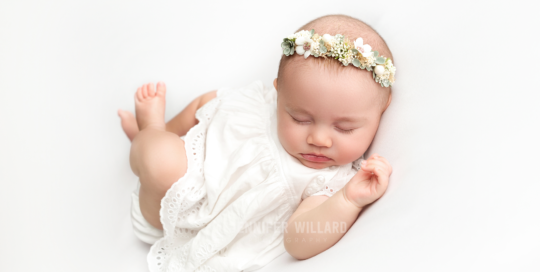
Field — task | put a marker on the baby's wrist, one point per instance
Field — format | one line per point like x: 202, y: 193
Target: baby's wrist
x: 347, y: 202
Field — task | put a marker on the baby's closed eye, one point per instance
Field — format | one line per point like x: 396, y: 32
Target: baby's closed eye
x: 345, y: 130
x: 300, y: 122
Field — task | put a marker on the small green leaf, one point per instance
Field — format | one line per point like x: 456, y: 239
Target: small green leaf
x: 321, y: 42
x: 385, y: 83
x: 375, y: 53
x: 354, y: 51
x: 373, y: 74
x: 323, y: 49
x: 380, y: 60
x: 356, y: 62
x: 286, y: 51
x: 312, y: 32
x: 369, y: 68
x: 316, y: 55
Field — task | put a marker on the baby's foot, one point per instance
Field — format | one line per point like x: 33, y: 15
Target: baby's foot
x: 150, y: 106
x: 129, y: 124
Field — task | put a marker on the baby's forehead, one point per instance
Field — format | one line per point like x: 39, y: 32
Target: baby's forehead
x: 314, y: 72
x: 341, y: 93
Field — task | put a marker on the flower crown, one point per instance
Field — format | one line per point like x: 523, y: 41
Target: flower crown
x: 360, y: 55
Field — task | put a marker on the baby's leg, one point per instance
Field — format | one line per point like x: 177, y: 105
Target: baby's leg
x: 157, y: 157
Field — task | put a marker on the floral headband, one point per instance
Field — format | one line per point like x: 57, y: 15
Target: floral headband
x: 360, y: 55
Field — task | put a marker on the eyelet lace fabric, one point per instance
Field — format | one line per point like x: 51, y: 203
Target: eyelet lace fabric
x: 208, y: 213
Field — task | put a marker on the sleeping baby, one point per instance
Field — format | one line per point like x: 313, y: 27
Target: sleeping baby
x: 242, y: 175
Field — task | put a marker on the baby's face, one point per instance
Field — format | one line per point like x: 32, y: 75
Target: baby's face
x: 327, y: 117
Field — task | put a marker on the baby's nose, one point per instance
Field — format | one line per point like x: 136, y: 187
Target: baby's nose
x: 319, y: 138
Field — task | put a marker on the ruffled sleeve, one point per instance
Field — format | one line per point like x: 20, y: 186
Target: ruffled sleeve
x: 328, y: 188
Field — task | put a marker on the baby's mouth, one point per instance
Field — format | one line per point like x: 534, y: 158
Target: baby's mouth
x: 315, y: 158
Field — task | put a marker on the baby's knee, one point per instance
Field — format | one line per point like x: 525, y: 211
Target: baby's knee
x: 160, y: 162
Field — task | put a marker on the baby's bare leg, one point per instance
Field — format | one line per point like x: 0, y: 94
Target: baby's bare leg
x: 157, y: 157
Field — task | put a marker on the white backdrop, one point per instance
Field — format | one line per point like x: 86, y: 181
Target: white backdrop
x: 462, y: 131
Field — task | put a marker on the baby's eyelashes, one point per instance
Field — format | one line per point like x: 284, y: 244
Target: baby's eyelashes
x: 345, y: 130
x: 300, y: 122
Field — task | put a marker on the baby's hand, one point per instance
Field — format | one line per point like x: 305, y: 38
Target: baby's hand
x: 370, y: 182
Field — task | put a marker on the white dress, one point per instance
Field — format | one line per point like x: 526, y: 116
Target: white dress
x: 227, y: 213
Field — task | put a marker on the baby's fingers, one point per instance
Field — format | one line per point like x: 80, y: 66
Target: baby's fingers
x: 385, y: 162
x: 378, y: 162
x: 377, y: 167
x: 373, y: 156
x: 382, y: 178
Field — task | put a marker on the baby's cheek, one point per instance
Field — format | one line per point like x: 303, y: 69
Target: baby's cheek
x: 351, y: 150
x: 296, y: 136
x: 287, y: 136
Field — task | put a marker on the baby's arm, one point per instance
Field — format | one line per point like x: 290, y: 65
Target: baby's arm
x: 320, y: 221
x: 185, y: 120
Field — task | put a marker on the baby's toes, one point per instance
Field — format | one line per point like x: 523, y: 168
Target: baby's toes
x: 138, y: 94
x: 145, y: 90
x: 151, y: 90
x: 161, y: 89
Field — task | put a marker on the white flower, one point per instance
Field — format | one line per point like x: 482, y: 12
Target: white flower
x: 364, y: 49
x: 303, y: 34
x: 379, y: 70
x: 327, y: 38
x: 303, y: 46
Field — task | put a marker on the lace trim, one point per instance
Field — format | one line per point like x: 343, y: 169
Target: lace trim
x: 328, y: 190
x: 313, y: 187
x: 356, y: 164
x: 185, y: 198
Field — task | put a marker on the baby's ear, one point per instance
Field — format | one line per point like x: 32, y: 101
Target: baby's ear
x: 389, y: 100
x: 275, y: 83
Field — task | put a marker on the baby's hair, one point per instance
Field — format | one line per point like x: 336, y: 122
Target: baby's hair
x: 349, y: 27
